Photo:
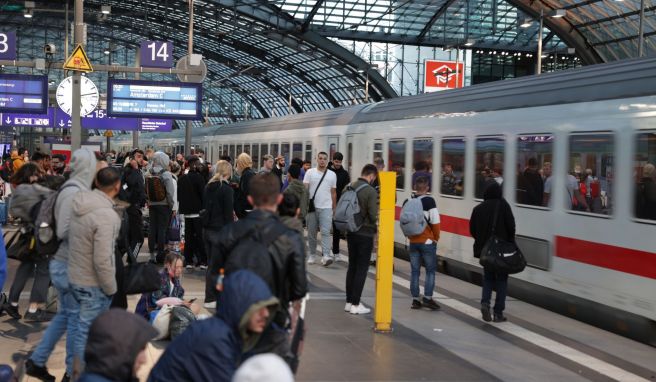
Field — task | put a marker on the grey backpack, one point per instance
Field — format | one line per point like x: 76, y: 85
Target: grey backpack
x: 347, y: 213
x: 413, y: 221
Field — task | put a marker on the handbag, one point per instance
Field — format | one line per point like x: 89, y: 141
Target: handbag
x: 499, y: 255
x: 311, y: 207
x: 20, y: 243
x: 173, y: 233
x: 140, y: 277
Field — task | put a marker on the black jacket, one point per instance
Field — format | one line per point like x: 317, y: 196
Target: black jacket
x: 278, y: 173
x: 480, y: 224
x: 218, y: 205
x: 133, y: 188
x: 190, y: 193
x: 291, y: 274
x: 241, y: 202
x: 343, y: 179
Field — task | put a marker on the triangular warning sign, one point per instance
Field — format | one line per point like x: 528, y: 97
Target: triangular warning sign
x: 78, y: 61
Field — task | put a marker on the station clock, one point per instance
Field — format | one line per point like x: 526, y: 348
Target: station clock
x: 89, y: 98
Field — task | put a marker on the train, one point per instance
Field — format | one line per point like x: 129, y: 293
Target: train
x: 596, y: 264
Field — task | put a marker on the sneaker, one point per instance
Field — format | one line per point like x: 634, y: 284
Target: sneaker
x: 312, y: 259
x: 203, y: 267
x: 416, y: 304
x: 210, y: 305
x: 327, y: 261
x: 12, y: 311
x: 39, y: 316
x: 189, y: 267
x: 485, y: 310
x: 347, y: 307
x: 430, y: 303
x: 39, y: 372
x: 359, y: 309
x: 499, y: 318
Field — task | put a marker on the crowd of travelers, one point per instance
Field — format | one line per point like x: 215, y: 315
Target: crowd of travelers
x: 244, y: 229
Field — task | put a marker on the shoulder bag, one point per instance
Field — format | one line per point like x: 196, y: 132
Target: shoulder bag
x: 311, y: 205
x: 499, y: 255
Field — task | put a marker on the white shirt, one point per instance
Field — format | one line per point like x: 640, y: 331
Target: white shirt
x: 323, y: 199
x: 572, y: 184
x: 547, y: 189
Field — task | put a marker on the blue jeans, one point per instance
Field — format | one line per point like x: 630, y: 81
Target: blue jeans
x: 499, y: 282
x: 320, y: 220
x: 64, y: 321
x: 428, y: 252
x: 93, y: 301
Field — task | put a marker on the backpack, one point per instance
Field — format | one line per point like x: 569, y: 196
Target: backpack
x: 412, y: 219
x: 45, y: 225
x: 347, y: 213
x: 155, y: 189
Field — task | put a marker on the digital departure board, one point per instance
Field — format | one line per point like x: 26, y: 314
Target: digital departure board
x: 173, y: 100
x: 23, y: 93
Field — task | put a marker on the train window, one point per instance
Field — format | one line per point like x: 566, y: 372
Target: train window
x: 422, y: 160
x: 308, y: 151
x: 297, y: 151
x: 453, y: 167
x: 247, y: 149
x: 534, y: 158
x: 590, y: 173
x: 645, y: 160
x: 378, y: 155
x: 489, y: 163
x: 232, y: 152
x: 274, y: 150
x: 240, y: 148
x: 264, y: 149
x: 255, y: 154
x: 396, y: 160
x: 284, y: 151
x: 349, y: 157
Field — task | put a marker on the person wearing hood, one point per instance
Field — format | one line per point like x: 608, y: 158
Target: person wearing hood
x: 116, y: 348
x: 133, y: 191
x: 211, y: 349
x: 296, y: 188
x: 95, y: 225
x: 83, y: 169
x: 480, y: 227
x: 160, y: 210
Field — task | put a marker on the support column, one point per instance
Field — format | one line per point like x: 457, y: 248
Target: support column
x: 385, y: 259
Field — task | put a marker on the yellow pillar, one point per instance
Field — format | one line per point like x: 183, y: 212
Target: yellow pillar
x: 385, y: 260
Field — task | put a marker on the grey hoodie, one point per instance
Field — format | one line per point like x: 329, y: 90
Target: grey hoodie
x: 161, y: 162
x: 83, y: 171
x: 93, y: 231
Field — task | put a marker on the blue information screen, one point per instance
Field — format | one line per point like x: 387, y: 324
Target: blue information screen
x: 23, y: 93
x: 174, y: 100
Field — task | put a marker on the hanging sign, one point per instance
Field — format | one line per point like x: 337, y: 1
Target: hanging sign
x: 78, y: 61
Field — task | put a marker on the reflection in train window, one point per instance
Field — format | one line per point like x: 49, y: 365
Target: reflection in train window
x: 255, y: 153
x: 453, y: 166
x: 264, y: 150
x: 274, y: 150
x: 297, y: 150
x: 396, y: 160
x: 591, y: 173
x: 378, y: 155
x: 489, y: 163
x: 308, y: 151
x: 534, y: 158
x: 247, y: 149
x: 232, y: 152
x: 349, y: 157
x: 240, y: 149
x: 645, y: 191
x: 422, y: 160
x: 284, y: 151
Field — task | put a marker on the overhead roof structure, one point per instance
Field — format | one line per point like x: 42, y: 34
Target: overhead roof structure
x: 271, y: 58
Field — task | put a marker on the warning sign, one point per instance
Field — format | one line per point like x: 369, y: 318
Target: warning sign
x: 442, y: 75
x: 78, y: 61
x: 108, y: 134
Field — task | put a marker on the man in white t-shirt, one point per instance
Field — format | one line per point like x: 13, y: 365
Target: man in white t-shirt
x: 323, y: 194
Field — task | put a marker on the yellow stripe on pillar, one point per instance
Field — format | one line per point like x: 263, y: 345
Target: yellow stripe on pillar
x: 385, y: 260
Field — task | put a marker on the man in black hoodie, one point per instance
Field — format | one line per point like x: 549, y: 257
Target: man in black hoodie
x: 191, y: 188
x: 133, y: 191
x: 480, y: 227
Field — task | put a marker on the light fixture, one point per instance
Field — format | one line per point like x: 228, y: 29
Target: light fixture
x: 105, y: 9
x: 526, y: 23
x: 469, y: 42
x: 28, y: 13
x: 361, y: 71
x: 557, y: 13
x: 107, y: 51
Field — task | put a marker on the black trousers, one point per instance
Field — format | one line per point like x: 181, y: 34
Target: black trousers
x: 211, y: 240
x: 135, y: 231
x: 359, y: 248
x: 194, y: 245
x: 26, y: 269
x: 336, y: 237
x: 160, y: 218
x: 119, y: 299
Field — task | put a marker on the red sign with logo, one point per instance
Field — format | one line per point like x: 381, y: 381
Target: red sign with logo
x: 442, y: 75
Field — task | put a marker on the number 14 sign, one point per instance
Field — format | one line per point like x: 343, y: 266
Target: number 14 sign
x: 156, y: 54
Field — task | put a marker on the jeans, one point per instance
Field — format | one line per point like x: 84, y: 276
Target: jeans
x: 65, y: 321
x: 39, y: 269
x: 498, y: 281
x: 160, y: 218
x: 194, y: 242
x: 93, y: 301
x: 428, y: 253
x: 321, y: 219
x: 359, y: 252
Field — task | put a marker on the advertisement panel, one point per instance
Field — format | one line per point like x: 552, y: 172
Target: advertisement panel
x: 443, y: 75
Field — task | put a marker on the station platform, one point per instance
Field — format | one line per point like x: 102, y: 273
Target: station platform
x: 452, y: 344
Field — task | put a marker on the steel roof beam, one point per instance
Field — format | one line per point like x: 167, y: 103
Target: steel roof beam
x: 311, y: 15
x: 433, y: 19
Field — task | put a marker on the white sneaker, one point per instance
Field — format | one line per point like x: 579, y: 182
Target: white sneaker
x: 210, y: 305
x: 359, y: 309
x: 312, y: 259
x: 203, y: 267
x: 189, y: 267
x: 347, y: 307
x: 326, y: 261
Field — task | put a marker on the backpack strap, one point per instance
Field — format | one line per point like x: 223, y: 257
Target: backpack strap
x: 360, y: 187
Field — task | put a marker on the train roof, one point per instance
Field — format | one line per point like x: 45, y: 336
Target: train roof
x: 623, y: 79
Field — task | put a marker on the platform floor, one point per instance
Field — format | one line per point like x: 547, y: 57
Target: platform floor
x: 452, y: 344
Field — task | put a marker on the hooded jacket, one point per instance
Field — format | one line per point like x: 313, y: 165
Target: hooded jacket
x: 17, y: 161
x: 190, y: 193
x: 83, y: 171
x: 218, y: 203
x: 161, y: 162
x: 482, y: 219
x: 110, y: 353
x: 211, y: 349
x: 95, y: 225
x: 297, y: 188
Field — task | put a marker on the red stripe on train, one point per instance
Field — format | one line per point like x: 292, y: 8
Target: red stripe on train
x: 451, y: 224
x: 620, y: 259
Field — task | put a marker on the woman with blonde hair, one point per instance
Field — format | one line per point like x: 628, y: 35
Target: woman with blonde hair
x: 217, y: 212
x: 244, y: 164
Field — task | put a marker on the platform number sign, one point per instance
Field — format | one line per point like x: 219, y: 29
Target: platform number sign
x: 7, y: 45
x: 156, y: 54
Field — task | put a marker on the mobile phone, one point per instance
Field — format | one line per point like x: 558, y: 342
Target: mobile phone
x: 192, y: 300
